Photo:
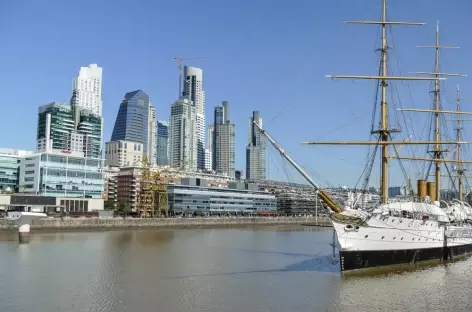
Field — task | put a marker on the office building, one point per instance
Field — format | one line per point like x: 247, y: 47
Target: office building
x: 182, y: 135
x: 63, y: 175
x: 10, y: 168
x: 87, y: 89
x: 256, y: 150
x: 194, y: 195
x: 123, y: 153
x: 224, y: 137
x: 395, y: 191
x: 152, y: 136
x: 136, y: 121
x: 193, y: 91
x: 162, y: 143
x: 68, y: 128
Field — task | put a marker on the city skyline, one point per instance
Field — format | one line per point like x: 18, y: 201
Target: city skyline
x: 285, y: 82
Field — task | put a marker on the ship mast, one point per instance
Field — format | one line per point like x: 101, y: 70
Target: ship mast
x: 460, y: 168
x: 437, y: 152
x: 384, y: 132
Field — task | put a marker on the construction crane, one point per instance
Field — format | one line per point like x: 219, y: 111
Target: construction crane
x: 181, y: 59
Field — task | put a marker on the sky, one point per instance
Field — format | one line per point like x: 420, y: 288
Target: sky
x: 270, y: 56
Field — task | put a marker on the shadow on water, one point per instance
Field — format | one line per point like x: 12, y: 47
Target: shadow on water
x: 323, y: 264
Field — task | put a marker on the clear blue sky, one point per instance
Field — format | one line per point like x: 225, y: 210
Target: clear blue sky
x: 259, y: 55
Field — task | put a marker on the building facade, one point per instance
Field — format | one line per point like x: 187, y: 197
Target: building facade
x: 162, y: 143
x: 87, y: 89
x: 123, y: 153
x: 193, y: 91
x: 64, y: 127
x: 10, y: 169
x: 223, y: 143
x: 197, y: 197
x: 133, y: 121
x: 182, y: 140
x: 152, y: 136
x: 62, y: 175
x: 256, y: 150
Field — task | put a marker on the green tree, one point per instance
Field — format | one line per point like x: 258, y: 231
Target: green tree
x: 123, y: 207
x: 109, y: 204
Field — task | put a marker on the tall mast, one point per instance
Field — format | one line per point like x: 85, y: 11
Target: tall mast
x: 437, y: 152
x: 460, y: 170
x: 384, y: 132
x: 437, y: 149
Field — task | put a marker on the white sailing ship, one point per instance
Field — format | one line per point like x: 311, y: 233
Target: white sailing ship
x: 398, y: 232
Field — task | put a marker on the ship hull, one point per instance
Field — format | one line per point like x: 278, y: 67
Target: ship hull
x: 358, y: 260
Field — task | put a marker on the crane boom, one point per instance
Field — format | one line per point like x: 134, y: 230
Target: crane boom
x: 321, y: 193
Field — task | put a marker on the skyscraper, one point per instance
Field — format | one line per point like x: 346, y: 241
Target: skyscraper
x: 68, y: 128
x: 136, y: 121
x: 193, y: 91
x: 152, y: 135
x: 182, y: 135
x: 162, y: 143
x: 87, y: 89
x: 256, y: 150
x: 224, y: 137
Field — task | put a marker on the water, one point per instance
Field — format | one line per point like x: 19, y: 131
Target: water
x: 263, y: 269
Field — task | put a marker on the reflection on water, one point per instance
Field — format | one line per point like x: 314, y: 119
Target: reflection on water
x: 248, y: 269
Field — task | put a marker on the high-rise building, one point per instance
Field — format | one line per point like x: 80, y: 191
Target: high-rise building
x: 87, y: 89
x: 152, y: 135
x: 68, y: 128
x: 136, y: 121
x: 208, y: 159
x: 224, y: 137
x: 123, y: 153
x: 193, y: 91
x: 256, y: 150
x: 162, y: 143
x: 182, y: 135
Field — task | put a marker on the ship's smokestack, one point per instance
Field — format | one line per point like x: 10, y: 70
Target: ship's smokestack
x: 422, y: 189
x: 431, y: 187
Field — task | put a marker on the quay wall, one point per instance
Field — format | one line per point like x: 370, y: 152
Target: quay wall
x: 58, y: 224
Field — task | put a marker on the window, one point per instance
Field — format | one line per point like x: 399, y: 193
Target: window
x: 29, y: 165
x: 29, y: 179
x: 29, y: 172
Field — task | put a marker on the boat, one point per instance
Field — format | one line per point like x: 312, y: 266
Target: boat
x: 398, y: 232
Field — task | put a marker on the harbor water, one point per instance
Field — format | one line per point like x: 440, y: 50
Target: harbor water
x: 277, y: 268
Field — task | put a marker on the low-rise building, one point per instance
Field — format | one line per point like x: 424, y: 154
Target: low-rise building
x: 198, y: 197
x: 49, y: 204
x: 68, y: 174
x: 10, y: 168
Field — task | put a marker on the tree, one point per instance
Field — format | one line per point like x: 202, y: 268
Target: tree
x: 123, y: 206
x: 109, y: 204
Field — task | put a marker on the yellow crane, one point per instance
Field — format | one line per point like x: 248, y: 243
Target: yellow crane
x: 181, y: 59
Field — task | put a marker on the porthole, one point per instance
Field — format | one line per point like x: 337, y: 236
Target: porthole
x: 419, y: 239
x: 413, y: 239
x: 401, y: 221
x: 366, y: 236
x: 394, y: 237
x: 383, y: 237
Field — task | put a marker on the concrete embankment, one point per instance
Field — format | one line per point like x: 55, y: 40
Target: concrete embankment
x: 58, y: 224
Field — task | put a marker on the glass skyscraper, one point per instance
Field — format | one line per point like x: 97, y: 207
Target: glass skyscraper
x: 132, y: 119
x: 162, y: 143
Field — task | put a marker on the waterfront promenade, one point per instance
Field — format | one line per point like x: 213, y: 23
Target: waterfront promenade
x: 67, y: 223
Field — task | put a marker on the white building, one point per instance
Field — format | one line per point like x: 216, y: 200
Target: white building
x: 193, y: 91
x: 208, y: 160
x: 123, y: 153
x: 87, y: 89
x: 68, y: 174
x: 152, y: 136
x: 182, y: 135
